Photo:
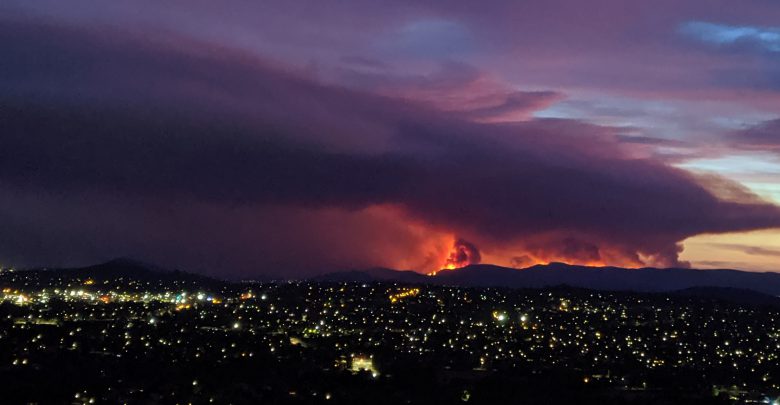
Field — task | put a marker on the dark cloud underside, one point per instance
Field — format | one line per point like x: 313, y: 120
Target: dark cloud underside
x: 138, y: 128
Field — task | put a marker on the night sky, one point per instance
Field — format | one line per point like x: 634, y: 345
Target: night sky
x: 290, y: 138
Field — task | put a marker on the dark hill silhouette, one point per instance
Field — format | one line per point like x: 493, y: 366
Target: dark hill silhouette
x: 734, y: 295
x: 721, y: 283
x: 597, y: 278
x: 123, y: 268
x: 374, y: 274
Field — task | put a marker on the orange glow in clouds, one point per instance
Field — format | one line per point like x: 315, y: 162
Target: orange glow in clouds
x: 409, y: 243
x: 462, y: 254
x: 539, y: 251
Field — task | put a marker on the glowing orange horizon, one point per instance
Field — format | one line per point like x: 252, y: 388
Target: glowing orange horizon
x: 453, y: 267
x: 447, y: 251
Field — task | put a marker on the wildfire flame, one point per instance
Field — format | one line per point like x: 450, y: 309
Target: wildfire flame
x: 462, y: 254
x: 523, y: 255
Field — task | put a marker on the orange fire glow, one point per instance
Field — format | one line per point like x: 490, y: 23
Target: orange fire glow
x: 461, y: 254
x: 521, y: 257
x: 431, y: 250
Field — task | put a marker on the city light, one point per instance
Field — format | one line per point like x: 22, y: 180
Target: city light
x: 360, y: 328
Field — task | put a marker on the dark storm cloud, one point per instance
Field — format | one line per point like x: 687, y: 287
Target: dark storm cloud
x: 463, y: 254
x: 762, y: 137
x: 187, y: 122
x: 750, y: 250
x: 454, y: 87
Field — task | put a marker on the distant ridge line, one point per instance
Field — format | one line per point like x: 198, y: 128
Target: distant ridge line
x: 482, y: 275
x: 597, y: 278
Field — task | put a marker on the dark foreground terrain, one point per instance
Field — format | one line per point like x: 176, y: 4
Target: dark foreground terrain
x: 136, y: 337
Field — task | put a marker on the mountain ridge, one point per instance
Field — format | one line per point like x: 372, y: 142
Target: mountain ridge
x: 611, y: 278
x: 118, y: 268
x: 648, y: 279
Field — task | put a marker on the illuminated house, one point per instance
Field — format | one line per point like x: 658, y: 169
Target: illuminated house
x: 363, y: 363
